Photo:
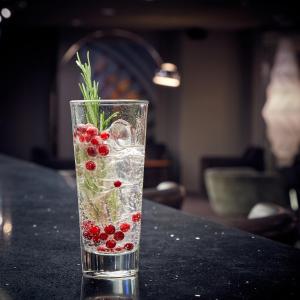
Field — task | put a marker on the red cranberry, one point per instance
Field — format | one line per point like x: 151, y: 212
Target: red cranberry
x: 118, y: 249
x: 90, y: 165
x: 103, y: 149
x: 96, y: 141
x: 96, y: 239
x: 94, y: 230
x: 136, y: 217
x: 92, y: 131
x: 124, y: 227
x: 87, y: 224
x: 87, y: 138
x: 104, y: 135
x: 87, y: 235
x: 103, y: 236
x: 111, y: 244
x: 117, y: 183
x: 81, y: 128
x: 81, y: 138
x: 119, y: 236
x: 110, y: 229
x: 102, y: 249
x: 91, y: 151
x: 128, y: 246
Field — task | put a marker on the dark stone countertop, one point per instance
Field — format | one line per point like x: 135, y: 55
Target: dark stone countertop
x: 182, y: 257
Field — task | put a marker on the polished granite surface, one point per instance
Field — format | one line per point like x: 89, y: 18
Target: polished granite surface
x: 182, y: 257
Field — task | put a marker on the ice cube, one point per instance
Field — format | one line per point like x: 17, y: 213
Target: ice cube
x: 121, y: 133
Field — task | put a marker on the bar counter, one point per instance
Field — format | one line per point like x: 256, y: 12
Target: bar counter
x: 181, y: 256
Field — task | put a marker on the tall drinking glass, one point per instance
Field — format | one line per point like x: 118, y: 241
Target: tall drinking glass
x: 109, y: 148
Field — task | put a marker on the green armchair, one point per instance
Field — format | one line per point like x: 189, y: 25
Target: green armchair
x: 234, y: 191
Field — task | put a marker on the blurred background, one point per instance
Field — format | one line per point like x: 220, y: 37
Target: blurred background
x: 223, y: 83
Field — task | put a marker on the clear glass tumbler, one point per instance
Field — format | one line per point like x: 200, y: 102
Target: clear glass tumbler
x: 109, y: 148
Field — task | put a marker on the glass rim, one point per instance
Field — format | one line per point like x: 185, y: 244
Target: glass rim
x: 110, y: 101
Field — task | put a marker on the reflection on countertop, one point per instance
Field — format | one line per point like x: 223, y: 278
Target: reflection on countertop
x: 109, y: 289
x: 6, y: 226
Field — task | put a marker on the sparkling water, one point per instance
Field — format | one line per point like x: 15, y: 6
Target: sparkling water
x: 109, y: 170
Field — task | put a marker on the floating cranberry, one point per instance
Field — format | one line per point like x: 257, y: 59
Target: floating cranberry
x: 111, y: 244
x: 103, y: 149
x: 119, y: 236
x: 128, y: 246
x: 110, y: 229
x: 87, y: 224
x: 96, y: 140
x: 87, y: 138
x: 124, y: 227
x: 91, y: 151
x: 90, y: 165
x: 87, y: 235
x: 136, y: 217
x: 118, y: 249
x: 81, y: 138
x: 92, y: 131
x: 104, y: 135
x: 96, y: 239
x: 117, y: 183
x: 94, y: 230
x: 103, y: 236
x: 102, y: 249
x: 81, y: 128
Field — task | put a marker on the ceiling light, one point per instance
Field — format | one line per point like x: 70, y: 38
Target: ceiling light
x: 6, y: 13
x: 167, y: 75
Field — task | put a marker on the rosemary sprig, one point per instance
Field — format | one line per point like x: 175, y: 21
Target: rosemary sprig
x: 106, y: 206
x: 113, y: 205
x: 104, y: 123
x: 89, y: 90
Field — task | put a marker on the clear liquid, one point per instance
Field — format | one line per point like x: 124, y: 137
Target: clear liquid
x: 102, y: 204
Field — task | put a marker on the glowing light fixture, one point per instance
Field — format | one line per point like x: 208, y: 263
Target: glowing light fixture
x: 6, y: 13
x: 281, y: 111
x: 166, y: 75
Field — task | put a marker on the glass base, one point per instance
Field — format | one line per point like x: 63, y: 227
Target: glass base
x: 125, y: 288
x: 109, y: 265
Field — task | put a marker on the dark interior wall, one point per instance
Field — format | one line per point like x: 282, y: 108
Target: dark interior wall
x: 27, y: 69
x: 215, y: 100
x: 245, y: 48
